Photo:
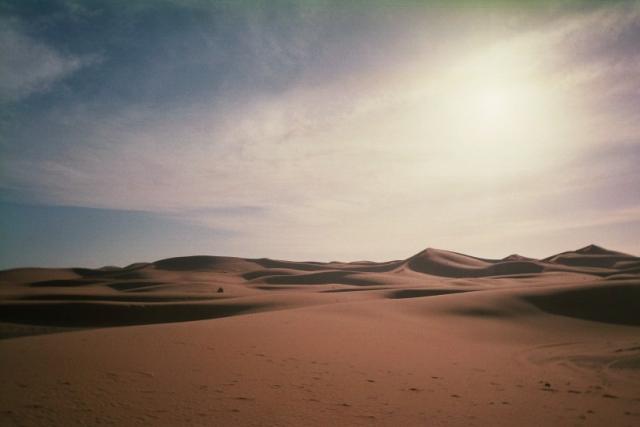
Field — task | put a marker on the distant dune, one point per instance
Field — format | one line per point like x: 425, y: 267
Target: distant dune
x: 439, y: 338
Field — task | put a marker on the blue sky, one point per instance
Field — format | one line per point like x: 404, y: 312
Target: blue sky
x: 132, y: 131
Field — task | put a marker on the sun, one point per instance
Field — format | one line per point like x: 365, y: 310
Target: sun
x: 493, y: 104
x: 489, y: 111
x: 496, y: 109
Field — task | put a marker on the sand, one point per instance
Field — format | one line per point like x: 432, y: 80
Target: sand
x: 440, y: 338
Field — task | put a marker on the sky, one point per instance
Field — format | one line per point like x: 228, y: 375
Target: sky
x: 316, y: 130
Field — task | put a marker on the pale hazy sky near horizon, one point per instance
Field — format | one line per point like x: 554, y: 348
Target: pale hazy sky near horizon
x: 137, y: 130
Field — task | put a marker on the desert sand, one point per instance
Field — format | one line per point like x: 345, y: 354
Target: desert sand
x: 438, y: 339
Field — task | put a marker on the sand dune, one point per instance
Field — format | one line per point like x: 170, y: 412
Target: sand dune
x: 198, y: 287
x: 439, y: 338
x: 594, y: 256
x: 451, y: 264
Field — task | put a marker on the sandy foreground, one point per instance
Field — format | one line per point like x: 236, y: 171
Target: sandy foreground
x: 437, y: 339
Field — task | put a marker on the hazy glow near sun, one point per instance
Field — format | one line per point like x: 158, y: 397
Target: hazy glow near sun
x: 493, y: 93
x: 496, y: 111
x: 493, y: 104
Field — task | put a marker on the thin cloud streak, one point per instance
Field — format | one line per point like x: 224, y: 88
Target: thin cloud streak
x: 29, y: 66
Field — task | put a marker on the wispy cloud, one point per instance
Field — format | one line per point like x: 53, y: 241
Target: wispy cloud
x: 30, y: 66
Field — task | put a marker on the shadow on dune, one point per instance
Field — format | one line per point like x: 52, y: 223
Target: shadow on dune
x: 292, y: 265
x: 269, y: 272
x: 617, y: 303
x: 367, y: 288
x: 128, y: 297
x: 419, y: 293
x: 206, y: 263
x: 361, y: 267
x: 513, y: 268
x: 132, y: 270
x: 128, y: 275
x: 135, y: 286
x: 123, y: 286
x: 63, y: 283
x: 319, y: 278
x: 100, y: 314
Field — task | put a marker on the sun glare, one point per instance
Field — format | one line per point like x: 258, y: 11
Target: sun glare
x: 492, y: 104
x: 497, y: 111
